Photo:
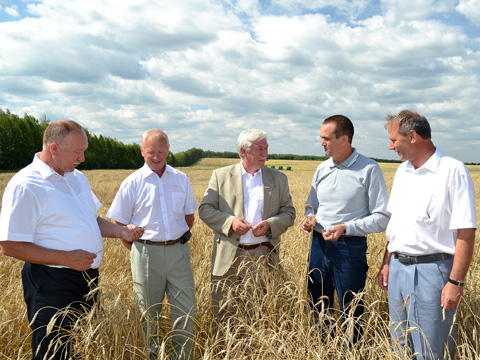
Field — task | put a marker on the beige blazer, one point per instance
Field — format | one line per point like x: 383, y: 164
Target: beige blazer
x: 223, y: 202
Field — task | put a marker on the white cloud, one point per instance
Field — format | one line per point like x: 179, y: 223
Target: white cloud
x: 203, y: 72
x: 396, y: 10
x: 471, y: 10
x: 12, y: 11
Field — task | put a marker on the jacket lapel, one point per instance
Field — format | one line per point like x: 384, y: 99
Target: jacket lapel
x: 237, y: 188
x: 267, y: 191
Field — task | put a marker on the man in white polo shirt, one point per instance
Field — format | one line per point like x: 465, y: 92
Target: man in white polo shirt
x: 430, y: 236
x: 160, y: 199
x: 49, y: 220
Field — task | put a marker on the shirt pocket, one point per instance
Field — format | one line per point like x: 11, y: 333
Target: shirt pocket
x: 178, y: 205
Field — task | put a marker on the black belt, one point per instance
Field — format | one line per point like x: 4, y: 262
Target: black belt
x: 250, y: 247
x: 164, y: 243
x: 419, y: 259
x: 183, y: 239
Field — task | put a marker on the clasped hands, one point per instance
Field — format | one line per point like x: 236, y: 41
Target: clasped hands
x: 242, y: 226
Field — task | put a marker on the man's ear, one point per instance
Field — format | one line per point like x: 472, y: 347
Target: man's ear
x: 54, y: 147
x: 412, y: 136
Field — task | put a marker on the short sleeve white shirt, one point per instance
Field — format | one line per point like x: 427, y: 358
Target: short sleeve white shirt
x: 428, y: 206
x: 157, y: 203
x: 53, y: 211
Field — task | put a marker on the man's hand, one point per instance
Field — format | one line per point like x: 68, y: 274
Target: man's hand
x: 79, y: 260
x: 383, y: 276
x: 308, y: 223
x: 451, y: 296
x: 241, y: 226
x: 261, y: 228
x: 131, y: 233
x: 334, y: 233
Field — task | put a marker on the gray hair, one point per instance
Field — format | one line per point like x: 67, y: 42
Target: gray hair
x: 407, y: 121
x: 156, y: 134
x: 58, y: 132
x: 247, y: 137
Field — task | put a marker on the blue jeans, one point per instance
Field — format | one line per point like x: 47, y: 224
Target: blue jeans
x: 338, y: 265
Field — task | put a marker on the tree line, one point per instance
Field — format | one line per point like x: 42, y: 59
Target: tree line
x: 21, y: 138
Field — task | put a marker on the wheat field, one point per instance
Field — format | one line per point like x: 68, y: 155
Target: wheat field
x: 278, y: 322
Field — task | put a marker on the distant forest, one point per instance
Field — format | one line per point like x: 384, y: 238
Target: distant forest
x: 21, y: 138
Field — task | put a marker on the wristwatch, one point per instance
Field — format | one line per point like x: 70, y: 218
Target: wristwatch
x: 456, y: 282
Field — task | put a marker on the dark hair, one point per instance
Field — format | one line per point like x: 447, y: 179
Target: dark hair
x: 408, y: 120
x: 343, y: 126
x: 58, y: 131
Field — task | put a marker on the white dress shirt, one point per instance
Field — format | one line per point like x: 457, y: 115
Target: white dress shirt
x: 157, y: 203
x: 253, y: 205
x: 429, y: 204
x: 53, y: 211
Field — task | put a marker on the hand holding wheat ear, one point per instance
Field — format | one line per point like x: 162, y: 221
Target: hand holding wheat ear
x: 308, y: 221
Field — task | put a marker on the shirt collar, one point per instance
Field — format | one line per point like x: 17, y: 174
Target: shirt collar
x: 349, y: 161
x: 430, y: 165
x: 44, y: 170
x: 245, y: 171
x: 146, y: 171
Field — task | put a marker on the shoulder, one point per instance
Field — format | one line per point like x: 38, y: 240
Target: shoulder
x: 363, y: 161
x: 223, y: 171
x: 176, y: 172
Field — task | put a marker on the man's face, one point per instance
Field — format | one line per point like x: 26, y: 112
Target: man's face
x: 331, y: 144
x: 256, y: 157
x: 155, y: 152
x: 68, y: 156
x: 398, y: 142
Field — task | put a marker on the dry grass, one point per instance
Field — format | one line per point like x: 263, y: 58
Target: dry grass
x: 272, y: 325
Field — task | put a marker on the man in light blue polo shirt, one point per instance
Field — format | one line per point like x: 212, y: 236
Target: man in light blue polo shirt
x: 349, y: 199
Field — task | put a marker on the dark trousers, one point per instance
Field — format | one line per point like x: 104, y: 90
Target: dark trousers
x: 338, y: 265
x: 47, y: 290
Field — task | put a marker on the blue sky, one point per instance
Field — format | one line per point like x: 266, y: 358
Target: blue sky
x: 203, y: 71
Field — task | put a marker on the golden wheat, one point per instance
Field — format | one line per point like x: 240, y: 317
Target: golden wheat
x: 273, y: 324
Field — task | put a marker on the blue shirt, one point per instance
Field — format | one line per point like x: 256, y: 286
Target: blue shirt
x: 353, y: 193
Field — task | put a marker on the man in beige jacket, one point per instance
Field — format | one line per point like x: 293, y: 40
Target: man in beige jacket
x: 249, y: 206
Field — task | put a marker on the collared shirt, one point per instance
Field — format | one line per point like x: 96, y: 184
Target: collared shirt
x: 157, y: 203
x: 53, y: 211
x: 429, y: 204
x: 353, y: 193
x: 252, y: 204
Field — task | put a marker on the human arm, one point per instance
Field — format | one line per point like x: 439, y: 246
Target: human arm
x: 384, y: 269
x: 452, y: 294
x: 129, y: 233
x: 377, y: 196
x: 190, y: 219
x: 79, y: 260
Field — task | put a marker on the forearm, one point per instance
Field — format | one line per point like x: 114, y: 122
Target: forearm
x: 373, y: 223
x: 108, y: 229
x: 33, y: 253
x: 463, y: 254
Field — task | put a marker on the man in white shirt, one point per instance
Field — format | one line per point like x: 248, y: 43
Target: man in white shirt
x: 249, y: 206
x: 160, y: 199
x: 430, y: 236
x: 49, y: 220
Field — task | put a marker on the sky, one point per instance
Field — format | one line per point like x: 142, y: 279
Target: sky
x: 205, y: 70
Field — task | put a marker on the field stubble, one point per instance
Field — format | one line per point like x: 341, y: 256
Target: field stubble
x: 276, y: 324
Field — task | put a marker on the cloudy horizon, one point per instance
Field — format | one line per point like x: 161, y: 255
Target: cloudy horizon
x: 203, y: 71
